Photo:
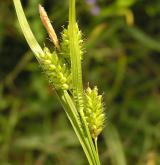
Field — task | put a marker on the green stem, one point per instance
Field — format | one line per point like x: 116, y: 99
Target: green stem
x: 71, y: 112
x: 76, y: 70
x: 75, y: 56
x: 95, y: 142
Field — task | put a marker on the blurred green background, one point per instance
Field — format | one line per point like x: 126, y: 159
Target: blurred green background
x: 122, y: 57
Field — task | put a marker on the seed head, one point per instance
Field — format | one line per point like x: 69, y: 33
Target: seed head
x: 94, y: 111
x: 65, y: 51
x: 58, y: 74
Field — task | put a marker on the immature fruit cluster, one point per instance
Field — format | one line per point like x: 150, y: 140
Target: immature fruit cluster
x: 58, y: 74
x: 94, y: 112
x: 66, y: 42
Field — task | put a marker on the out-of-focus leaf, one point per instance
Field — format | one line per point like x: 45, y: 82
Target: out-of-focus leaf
x: 144, y: 39
x: 114, y: 145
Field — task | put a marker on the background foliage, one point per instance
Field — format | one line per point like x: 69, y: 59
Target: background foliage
x: 122, y: 44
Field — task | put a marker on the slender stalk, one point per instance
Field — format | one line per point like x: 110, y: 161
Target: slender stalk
x: 75, y: 56
x: 71, y: 112
x: 95, y: 142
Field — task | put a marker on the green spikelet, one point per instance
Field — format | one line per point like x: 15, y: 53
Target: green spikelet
x: 94, y: 112
x: 65, y: 51
x: 65, y: 45
x: 80, y: 40
x: 57, y: 73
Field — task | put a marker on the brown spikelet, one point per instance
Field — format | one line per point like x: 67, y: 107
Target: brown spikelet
x: 47, y: 24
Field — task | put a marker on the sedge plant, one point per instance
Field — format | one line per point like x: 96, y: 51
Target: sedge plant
x: 84, y: 107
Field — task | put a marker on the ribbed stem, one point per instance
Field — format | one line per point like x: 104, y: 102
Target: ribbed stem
x: 72, y: 13
x: 75, y: 55
x: 76, y: 70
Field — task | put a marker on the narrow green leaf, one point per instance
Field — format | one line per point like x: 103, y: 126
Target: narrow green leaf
x: 32, y: 42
